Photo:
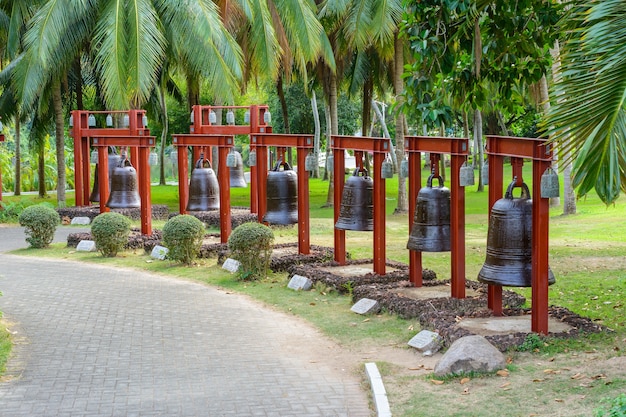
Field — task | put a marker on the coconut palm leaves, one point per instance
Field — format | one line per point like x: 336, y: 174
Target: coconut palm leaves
x: 590, y: 98
x: 129, y: 41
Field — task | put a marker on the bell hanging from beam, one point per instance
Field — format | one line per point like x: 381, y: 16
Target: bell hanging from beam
x: 282, y: 195
x: 204, y: 191
x: 124, y: 186
x: 431, y: 222
x: 237, y: 179
x: 114, y: 159
x: 509, y: 242
x: 357, y: 208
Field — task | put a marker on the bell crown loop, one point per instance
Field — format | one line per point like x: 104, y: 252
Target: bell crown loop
x: 429, y: 182
x: 358, y: 170
x: 524, y: 187
x: 281, y: 163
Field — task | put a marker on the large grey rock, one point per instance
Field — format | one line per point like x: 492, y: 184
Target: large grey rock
x: 159, y: 252
x: 470, y: 353
x: 231, y: 265
x: 426, y: 342
x: 81, y: 220
x: 86, y: 246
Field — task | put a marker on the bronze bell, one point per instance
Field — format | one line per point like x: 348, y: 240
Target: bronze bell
x: 509, y: 242
x: 114, y: 159
x: 357, y: 209
x: 124, y: 187
x: 431, y: 222
x: 282, y: 195
x: 237, y: 179
x: 204, y: 191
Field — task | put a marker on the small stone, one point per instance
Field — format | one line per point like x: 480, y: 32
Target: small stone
x: 426, y: 342
x: 159, y: 252
x: 470, y: 354
x: 298, y: 282
x: 231, y: 265
x: 366, y: 306
x: 81, y: 220
x: 86, y: 246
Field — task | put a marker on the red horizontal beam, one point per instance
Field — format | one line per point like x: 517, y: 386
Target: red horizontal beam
x: 138, y: 141
x: 437, y: 144
x: 360, y: 143
x: 110, y: 132
x: 191, y: 139
x: 279, y: 139
x: 536, y: 149
x: 222, y: 130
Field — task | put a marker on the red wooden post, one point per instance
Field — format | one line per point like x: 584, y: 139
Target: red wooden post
x: 86, y: 167
x: 496, y: 172
x: 541, y: 216
x: 379, y: 198
x: 415, y: 183
x: 103, y: 176
x: 339, y: 169
x: 303, y: 203
x: 261, y: 161
x: 183, y: 185
x: 223, y: 179
x: 78, y: 159
x: 143, y: 173
x: 457, y: 227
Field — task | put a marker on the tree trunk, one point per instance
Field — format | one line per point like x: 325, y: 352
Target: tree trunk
x: 57, y: 104
x: 17, y: 187
x: 79, y: 85
x: 41, y: 174
x: 316, y: 135
x: 478, y: 117
x: 285, y: 110
x: 164, y: 132
x: 334, y: 129
x: 545, y: 100
x: 366, y: 108
x: 398, y: 87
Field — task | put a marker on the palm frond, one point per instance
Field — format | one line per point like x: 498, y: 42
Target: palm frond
x: 588, y: 118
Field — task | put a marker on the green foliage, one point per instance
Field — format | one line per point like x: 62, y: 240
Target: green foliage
x: 183, y: 235
x: 251, y: 244
x: 10, y: 211
x: 40, y: 222
x: 617, y: 408
x: 532, y: 343
x: 110, y: 232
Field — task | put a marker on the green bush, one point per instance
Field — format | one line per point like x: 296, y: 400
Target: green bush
x: 617, y: 407
x: 110, y: 232
x: 10, y: 211
x: 183, y: 235
x: 251, y: 244
x: 40, y: 222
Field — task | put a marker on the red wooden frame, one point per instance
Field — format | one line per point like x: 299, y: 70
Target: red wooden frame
x: 379, y: 147
x: 458, y: 148
x: 303, y: 144
x: 540, y: 152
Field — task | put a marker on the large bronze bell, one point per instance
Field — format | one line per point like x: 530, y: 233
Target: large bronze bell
x: 282, y: 195
x: 237, y: 179
x: 204, y: 191
x: 431, y: 222
x: 357, y: 209
x: 124, y: 187
x: 114, y: 159
x: 509, y: 242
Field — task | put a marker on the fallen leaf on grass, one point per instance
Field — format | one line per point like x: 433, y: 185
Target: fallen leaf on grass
x: 465, y: 391
x: 502, y: 372
x: 464, y: 381
x: 411, y: 327
x: 311, y: 303
x: 578, y: 376
x: 599, y: 376
x: 366, y: 320
x: 538, y: 380
x: 558, y: 400
x: 506, y: 384
x: 437, y: 382
x: 418, y: 368
x: 551, y: 371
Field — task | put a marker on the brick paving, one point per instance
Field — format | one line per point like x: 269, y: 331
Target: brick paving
x: 97, y: 341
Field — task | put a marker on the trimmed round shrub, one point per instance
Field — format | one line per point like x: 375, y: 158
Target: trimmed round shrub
x: 251, y: 244
x: 183, y: 235
x: 40, y: 222
x: 110, y: 232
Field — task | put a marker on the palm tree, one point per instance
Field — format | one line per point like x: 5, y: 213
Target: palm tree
x: 588, y: 114
x: 128, y: 42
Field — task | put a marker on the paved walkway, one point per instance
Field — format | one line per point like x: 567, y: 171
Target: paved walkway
x: 95, y: 341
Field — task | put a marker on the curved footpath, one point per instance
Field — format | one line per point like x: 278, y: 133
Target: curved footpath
x: 97, y: 341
